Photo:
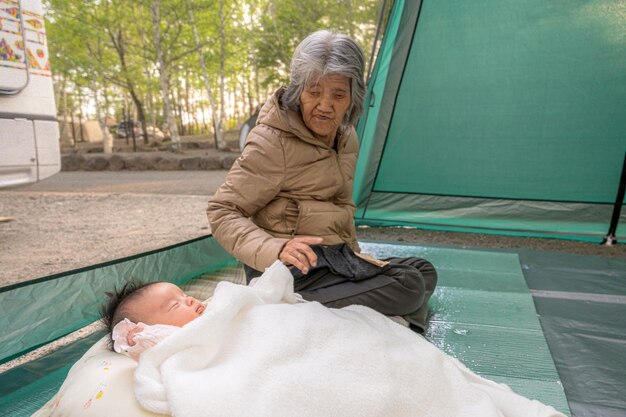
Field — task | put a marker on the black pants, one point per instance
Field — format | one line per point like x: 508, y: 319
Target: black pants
x: 402, y: 288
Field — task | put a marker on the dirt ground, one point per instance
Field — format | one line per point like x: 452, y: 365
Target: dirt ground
x: 478, y: 240
x: 56, y: 232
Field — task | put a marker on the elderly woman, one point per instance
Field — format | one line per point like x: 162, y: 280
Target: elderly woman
x: 289, y: 195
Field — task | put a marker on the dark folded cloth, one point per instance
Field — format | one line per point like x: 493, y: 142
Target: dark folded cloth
x: 340, y: 260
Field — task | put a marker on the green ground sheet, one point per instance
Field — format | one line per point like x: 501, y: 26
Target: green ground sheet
x: 560, y: 342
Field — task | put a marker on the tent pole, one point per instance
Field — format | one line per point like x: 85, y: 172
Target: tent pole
x: 610, y: 238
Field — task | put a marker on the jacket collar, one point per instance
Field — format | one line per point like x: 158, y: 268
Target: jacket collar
x: 274, y: 115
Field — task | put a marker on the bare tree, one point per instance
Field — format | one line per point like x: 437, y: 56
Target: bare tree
x: 107, y: 145
x: 222, y: 65
x: 155, y: 11
x: 218, y: 134
x: 118, y: 42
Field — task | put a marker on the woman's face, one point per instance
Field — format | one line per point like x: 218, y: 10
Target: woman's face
x: 324, y: 104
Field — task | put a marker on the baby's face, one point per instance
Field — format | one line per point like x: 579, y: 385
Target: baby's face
x: 165, y: 303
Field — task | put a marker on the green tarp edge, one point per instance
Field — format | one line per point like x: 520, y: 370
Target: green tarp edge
x: 45, y: 309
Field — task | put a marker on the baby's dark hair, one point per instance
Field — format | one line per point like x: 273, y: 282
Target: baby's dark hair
x: 115, y: 309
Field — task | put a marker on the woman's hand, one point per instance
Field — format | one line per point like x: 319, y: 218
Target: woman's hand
x: 298, y: 253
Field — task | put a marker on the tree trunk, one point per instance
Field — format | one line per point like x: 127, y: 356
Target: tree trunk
x: 119, y: 43
x: 204, y: 122
x: 187, y: 104
x: 64, y: 125
x: 218, y: 134
x: 151, y: 105
x: 72, y: 124
x: 193, y: 108
x: 106, y: 114
x: 170, y: 123
x: 101, y: 116
x: 131, y: 118
x: 222, y: 67
x: 80, y: 118
x: 73, y: 130
x: 179, y: 107
x: 140, y: 114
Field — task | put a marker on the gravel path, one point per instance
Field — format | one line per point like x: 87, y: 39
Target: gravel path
x: 56, y: 232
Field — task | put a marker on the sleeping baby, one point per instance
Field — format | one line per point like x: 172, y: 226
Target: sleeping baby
x: 138, y: 316
x: 352, y: 361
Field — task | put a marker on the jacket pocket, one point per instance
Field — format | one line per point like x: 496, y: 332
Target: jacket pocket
x: 291, y: 216
x: 271, y: 218
x: 322, y: 218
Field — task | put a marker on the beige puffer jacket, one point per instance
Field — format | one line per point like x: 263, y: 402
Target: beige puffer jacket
x: 285, y: 183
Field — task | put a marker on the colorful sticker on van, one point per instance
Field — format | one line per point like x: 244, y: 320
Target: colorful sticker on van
x: 12, y: 48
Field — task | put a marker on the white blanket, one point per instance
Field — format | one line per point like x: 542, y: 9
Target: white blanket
x: 254, y: 353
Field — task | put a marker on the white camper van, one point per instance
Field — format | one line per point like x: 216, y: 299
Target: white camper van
x: 29, y: 131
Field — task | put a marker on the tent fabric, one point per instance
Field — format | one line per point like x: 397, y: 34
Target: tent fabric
x: 87, y: 131
x: 45, y: 309
x: 519, y: 103
x: 514, y: 217
x: 381, y: 96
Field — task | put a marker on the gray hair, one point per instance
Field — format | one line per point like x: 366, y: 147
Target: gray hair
x: 323, y: 53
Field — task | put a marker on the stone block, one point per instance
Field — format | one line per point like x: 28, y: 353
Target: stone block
x: 211, y: 163
x: 166, y: 164
x: 70, y: 162
x: 138, y: 163
x: 190, y: 164
x: 116, y: 162
x: 95, y: 162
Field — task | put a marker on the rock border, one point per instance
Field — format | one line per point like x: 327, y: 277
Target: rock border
x: 146, y: 161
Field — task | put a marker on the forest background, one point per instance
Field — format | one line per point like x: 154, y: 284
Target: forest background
x: 187, y: 67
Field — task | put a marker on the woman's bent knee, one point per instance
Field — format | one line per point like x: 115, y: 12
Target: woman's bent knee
x: 410, y: 288
x: 427, y: 269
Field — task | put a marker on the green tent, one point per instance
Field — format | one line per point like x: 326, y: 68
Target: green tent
x: 497, y: 116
